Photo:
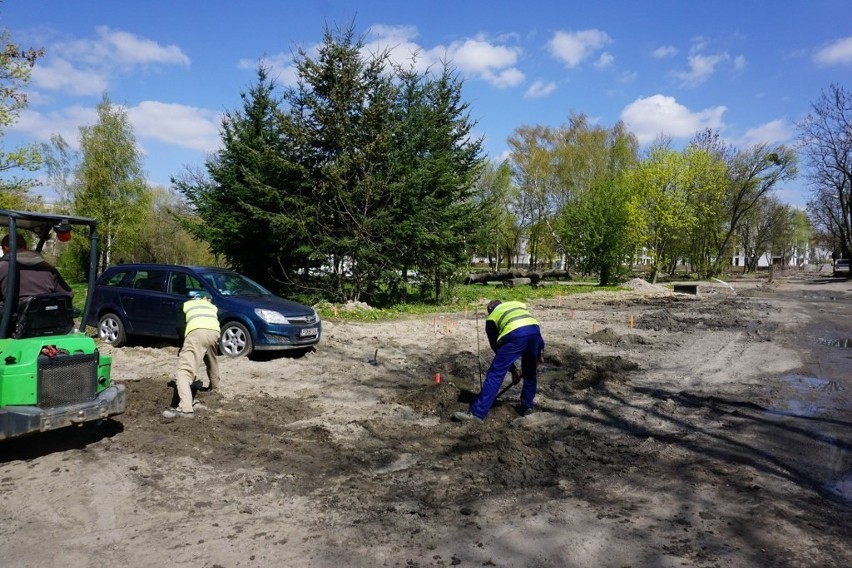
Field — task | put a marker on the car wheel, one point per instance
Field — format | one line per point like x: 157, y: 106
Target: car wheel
x: 111, y: 330
x: 235, y: 340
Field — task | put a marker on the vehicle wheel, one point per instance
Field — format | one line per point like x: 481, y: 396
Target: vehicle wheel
x: 235, y: 340
x: 111, y: 330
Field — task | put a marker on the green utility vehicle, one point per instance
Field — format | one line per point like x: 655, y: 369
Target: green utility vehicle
x: 51, y: 373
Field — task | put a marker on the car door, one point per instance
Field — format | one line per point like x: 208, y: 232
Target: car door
x: 146, y: 302
x: 180, y: 284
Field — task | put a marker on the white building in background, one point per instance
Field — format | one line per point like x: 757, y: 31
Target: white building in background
x: 813, y: 256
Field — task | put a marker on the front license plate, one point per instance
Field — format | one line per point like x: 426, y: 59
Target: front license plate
x: 308, y: 332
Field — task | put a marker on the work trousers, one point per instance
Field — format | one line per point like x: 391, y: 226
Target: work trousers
x: 528, y: 348
x: 199, y: 347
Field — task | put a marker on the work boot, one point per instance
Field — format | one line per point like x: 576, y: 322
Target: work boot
x: 176, y: 413
x: 466, y: 417
x: 524, y: 410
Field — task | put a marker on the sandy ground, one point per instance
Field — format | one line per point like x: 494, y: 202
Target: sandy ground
x: 716, y: 431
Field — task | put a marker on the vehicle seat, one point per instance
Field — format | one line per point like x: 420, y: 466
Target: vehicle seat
x: 45, y: 314
x: 179, y: 285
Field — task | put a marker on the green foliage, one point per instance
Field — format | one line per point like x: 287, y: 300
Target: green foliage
x: 15, y: 70
x: 161, y: 237
x: 345, y: 184
x: 596, y: 228
x: 749, y: 174
x: 556, y: 169
x: 110, y: 185
x: 493, y: 194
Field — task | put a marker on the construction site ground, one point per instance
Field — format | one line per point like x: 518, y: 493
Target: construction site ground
x: 715, y: 431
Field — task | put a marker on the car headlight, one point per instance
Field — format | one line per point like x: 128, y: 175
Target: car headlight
x: 316, y: 315
x: 270, y: 316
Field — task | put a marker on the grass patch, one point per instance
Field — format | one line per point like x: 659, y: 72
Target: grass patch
x: 465, y: 297
x: 79, y: 290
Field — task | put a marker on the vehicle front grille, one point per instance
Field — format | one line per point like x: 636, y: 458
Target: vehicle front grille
x: 302, y: 320
x: 67, y: 379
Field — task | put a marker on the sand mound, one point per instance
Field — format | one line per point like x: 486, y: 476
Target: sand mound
x: 639, y: 285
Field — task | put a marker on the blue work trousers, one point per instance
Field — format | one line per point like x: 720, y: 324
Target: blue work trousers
x: 517, y: 344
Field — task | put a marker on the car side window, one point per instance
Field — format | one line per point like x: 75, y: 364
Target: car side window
x: 149, y: 280
x: 115, y: 279
x: 182, y: 284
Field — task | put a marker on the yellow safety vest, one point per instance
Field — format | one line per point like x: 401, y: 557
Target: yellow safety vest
x: 200, y: 314
x: 509, y: 316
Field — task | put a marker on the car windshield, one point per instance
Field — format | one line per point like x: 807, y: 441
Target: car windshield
x: 234, y: 284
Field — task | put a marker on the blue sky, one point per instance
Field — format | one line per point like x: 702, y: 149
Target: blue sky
x: 749, y: 69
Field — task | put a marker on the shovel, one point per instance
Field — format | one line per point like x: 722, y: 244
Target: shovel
x: 507, y: 387
x: 516, y: 378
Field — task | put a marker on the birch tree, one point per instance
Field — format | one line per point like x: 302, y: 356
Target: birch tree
x: 110, y: 185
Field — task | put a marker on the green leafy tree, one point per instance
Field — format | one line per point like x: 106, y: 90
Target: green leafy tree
x: 15, y: 69
x: 340, y: 120
x: 597, y: 229
x: 336, y: 189
x: 248, y: 203
x: 110, y: 185
x: 435, y: 167
x: 659, y: 200
x: 161, y: 236
x: 493, y: 194
x: 752, y: 173
x: 554, y: 167
x: 61, y: 162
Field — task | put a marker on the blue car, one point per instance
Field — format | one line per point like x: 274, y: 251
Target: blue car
x: 147, y: 300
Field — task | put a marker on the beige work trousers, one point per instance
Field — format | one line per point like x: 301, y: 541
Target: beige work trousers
x: 199, y: 346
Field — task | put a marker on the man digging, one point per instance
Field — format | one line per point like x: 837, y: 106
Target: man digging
x: 201, y: 337
x: 513, y: 334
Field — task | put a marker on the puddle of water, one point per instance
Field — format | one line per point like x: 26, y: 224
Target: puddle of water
x: 810, y: 397
x: 830, y: 458
x: 841, y: 486
x: 844, y: 342
x: 819, y: 297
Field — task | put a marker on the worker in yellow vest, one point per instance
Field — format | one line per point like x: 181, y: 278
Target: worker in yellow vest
x: 513, y: 334
x: 200, y: 343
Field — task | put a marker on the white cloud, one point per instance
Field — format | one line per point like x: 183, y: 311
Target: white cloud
x: 85, y: 67
x: 701, y: 67
x: 605, y: 60
x: 399, y: 42
x: 664, y: 52
x: 281, y: 67
x: 511, y: 77
x: 480, y: 58
x: 60, y: 75
x: 539, y: 89
x: 651, y: 116
x: 774, y: 132
x: 838, y: 52
x: 184, y: 126
x: 115, y: 47
x: 740, y: 62
x: 180, y: 125
x: 476, y: 57
x: 66, y: 122
x: 574, y: 47
x: 627, y: 76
